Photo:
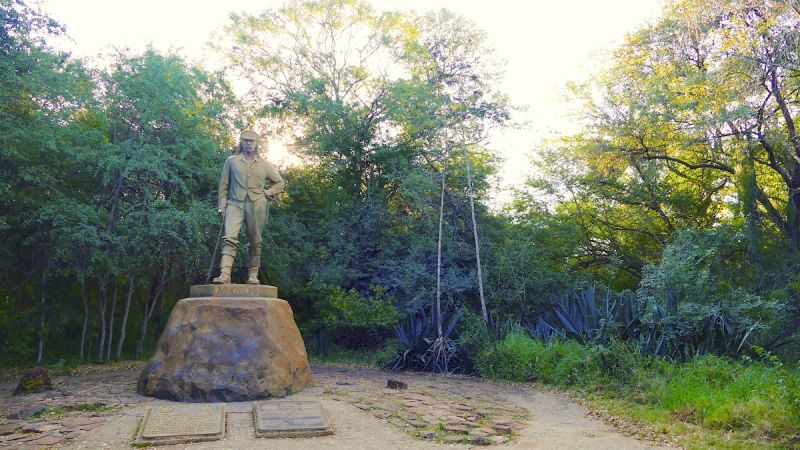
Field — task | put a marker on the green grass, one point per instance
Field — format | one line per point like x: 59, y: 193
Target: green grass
x: 59, y: 411
x: 367, y: 357
x: 707, y: 402
x: 56, y: 411
x: 91, y: 407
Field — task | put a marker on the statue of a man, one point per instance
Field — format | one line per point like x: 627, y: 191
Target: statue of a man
x: 242, y: 198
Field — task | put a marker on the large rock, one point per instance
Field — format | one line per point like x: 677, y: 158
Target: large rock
x: 37, y: 380
x: 227, y: 349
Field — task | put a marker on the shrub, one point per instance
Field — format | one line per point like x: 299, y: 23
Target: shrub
x: 699, y: 297
x: 474, y: 336
x: 350, y: 309
x: 509, y: 359
x: 375, y: 357
x: 560, y: 362
x: 351, y: 320
x: 610, y: 365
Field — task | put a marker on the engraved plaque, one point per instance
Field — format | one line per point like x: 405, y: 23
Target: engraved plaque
x: 233, y: 290
x: 283, y: 418
x: 182, y: 423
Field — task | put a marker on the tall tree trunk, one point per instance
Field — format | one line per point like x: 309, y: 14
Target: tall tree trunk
x: 439, y: 264
x: 477, y: 244
x: 111, y: 320
x: 148, y: 312
x: 101, y: 306
x: 124, y: 324
x: 748, y: 201
x: 40, y: 353
x: 793, y: 205
x: 793, y: 208
x: 85, y: 298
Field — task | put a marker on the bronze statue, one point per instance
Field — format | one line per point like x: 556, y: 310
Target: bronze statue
x: 242, y: 198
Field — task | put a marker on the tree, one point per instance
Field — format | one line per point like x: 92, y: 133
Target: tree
x: 692, y: 123
x: 167, y: 131
x: 374, y: 100
x: 42, y: 95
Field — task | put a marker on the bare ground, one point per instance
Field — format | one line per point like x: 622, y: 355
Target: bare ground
x: 364, y: 414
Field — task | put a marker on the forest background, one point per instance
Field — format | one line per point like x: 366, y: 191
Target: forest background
x: 663, y: 237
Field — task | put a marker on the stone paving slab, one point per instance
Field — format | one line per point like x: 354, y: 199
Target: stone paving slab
x: 443, y: 412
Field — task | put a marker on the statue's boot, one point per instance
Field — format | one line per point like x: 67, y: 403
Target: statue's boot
x: 254, y: 262
x: 225, y: 265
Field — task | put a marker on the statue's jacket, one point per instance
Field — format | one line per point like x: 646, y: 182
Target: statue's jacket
x: 243, y: 178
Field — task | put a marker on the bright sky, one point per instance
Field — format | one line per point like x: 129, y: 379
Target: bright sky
x: 544, y: 44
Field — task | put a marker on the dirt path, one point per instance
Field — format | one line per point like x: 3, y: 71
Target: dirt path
x: 364, y: 414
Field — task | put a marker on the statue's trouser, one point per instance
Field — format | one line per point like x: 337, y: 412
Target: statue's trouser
x: 254, y: 215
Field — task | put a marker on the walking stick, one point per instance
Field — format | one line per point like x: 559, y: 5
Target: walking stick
x: 216, y: 249
x: 266, y: 221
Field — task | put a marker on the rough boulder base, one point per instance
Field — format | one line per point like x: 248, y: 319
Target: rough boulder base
x: 227, y: 350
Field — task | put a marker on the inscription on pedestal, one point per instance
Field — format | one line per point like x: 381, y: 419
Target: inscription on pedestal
x: 283, y: 418
x: 233, y: 290
x: 172, y: 424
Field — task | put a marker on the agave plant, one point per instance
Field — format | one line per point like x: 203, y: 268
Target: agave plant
x: 670, y: 329
x: 422, y: 349
x: 585, y: 316
x: 412, y: 337
x: 541, y: 329
x: 499, y: 329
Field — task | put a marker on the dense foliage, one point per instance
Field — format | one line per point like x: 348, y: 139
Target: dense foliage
x: 109, y: 175
x: 679, y: 188
x: 670, y: 222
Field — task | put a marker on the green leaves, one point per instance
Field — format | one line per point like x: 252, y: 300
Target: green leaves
x: 104, y: 176
x: 349, y: 309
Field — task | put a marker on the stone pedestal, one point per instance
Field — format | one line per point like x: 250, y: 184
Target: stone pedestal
x: 228, y: 343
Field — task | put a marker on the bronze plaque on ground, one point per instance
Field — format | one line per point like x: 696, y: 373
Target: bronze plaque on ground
x: 175, y: 424
x: 285, y: 418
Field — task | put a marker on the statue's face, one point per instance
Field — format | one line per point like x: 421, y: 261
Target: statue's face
x: 248, y: 145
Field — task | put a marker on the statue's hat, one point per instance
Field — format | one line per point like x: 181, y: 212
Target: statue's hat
x: 249, y: 134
